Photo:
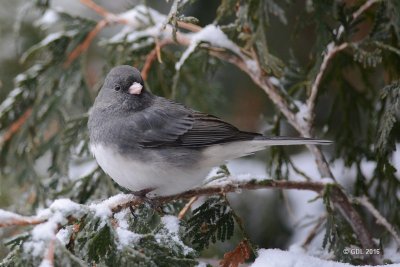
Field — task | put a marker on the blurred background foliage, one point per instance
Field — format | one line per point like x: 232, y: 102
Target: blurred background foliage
x: 358, y: 104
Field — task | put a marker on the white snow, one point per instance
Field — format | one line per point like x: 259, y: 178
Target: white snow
x: 56, y: 216
x: 171, y: 225
x: 48, y: 19
x: 64, y: 235
x: 8, y: 216
x: 68, y: 208
x: 280, y: 258
x: 125, y: 236
x: 211, y: 34
x: 141, y: 16
x: 54, y: 36
x: 103, y: 209
x: 142, y: 22
x: 47, y: 230
x: 252, y: 65
x: 46, y: 263
x: 302, y: 114
x: 275, y: 81
x: 7, y: 103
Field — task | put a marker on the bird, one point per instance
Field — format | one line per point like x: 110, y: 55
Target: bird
x: 153, y: 146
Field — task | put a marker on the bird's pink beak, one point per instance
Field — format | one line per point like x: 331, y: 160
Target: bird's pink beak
x: 135, y: 89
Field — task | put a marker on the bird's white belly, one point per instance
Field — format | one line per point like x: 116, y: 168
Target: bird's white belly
x: 137, y: 175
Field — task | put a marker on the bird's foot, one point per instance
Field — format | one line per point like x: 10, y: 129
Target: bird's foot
x: 154, y: 204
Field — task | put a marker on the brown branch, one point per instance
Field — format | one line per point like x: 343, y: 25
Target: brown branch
x: 343, y: 204
x: 15, y: 126
x: 189, y: 26
x: 332, y: 50
x: 311, y: 101
x: 379, y: 218
x: 21, y: 221
x: 229, y: 187
x: 151, y: 57
x: 49, y: 253
x: 117, y: 206
x: 86, y: 43
x: 364, y: 8
x: 98, y: 9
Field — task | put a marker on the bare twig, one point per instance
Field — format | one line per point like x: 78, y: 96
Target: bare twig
x: 379, y: 218
x: 49, y: 254
x: 187, y: 207
x: 364, y: 7
x: 189, y: 26
x: 152, y: 56
x: 98, y: 9
x: 86, y: 43
x: 15, y: 126
x: 314, y: 231
x: 330, y: 53
x: 23, y: 221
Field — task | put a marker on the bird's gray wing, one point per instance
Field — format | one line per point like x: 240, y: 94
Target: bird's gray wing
x: 171, y: 124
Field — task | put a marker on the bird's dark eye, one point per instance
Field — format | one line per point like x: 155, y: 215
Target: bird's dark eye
x: 117, y: 88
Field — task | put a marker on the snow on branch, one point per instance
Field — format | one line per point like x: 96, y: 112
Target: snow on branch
x: 281, y: 258
x: 63, y: 211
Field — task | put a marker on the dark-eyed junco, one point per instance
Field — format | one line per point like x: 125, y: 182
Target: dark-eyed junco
x: 148, y: 143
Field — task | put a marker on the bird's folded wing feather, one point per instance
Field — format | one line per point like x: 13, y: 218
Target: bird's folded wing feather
x: 172, y: 124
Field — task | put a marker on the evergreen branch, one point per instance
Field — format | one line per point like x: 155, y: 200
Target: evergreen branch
x: 338, y: 197
x: 110, y: 18
x: 343, y: 204
x: 379, y: 218
x: 332, y: 50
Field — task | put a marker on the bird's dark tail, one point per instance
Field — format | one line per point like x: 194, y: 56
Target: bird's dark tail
x: 285, y: 141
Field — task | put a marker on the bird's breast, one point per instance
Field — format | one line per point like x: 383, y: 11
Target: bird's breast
x: 145, y: 169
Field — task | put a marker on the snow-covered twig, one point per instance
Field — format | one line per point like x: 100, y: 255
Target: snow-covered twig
x: 8, y: 218
x: 123, y: 201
